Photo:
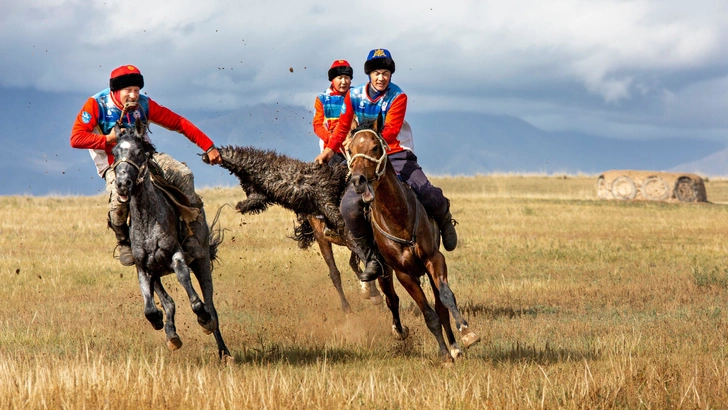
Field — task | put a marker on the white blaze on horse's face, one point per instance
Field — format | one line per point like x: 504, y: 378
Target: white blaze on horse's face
x: 125, y: 145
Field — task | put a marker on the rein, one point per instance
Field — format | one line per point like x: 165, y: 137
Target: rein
x: 142, y: 169
x: 379, y: 171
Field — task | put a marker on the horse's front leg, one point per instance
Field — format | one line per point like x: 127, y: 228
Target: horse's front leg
x: 173, y: 340
x: 180, y: 268
x: 203, y: 271
x: 438, y: 270
x: 367, y: 290
x: 387, y: 285
x: 153, y: 315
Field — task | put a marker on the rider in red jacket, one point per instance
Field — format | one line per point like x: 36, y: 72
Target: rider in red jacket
x: 122, y: 103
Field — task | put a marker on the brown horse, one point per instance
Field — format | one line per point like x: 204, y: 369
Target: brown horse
x: 408, y: 241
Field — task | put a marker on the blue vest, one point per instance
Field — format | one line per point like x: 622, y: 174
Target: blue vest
x: 332, y: 106
x: 365, y: 109
x: 109, y: 113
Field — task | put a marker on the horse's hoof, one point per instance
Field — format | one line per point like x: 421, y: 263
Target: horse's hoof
x: 470, y: 339
x: 228, y: 360
x: 455, y: 352
x: 174, y: 343
x: 156, y: 318
x: 400, y: 335
x: 376, y: 300
x: 364, y: 291
x: 208, y: 324
x: 447, y: 360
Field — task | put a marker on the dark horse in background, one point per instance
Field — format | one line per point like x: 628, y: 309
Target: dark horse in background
x: 312, y: 191
x: 155, y: 240
x: 407, y: 239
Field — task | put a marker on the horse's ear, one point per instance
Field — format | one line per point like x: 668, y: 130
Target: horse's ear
x: 139, y: 127
x: 379, y: 123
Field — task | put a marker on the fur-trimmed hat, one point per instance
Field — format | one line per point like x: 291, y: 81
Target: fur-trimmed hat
x: 125, y: 76
x: 379, y: 59
x: 340, y: 67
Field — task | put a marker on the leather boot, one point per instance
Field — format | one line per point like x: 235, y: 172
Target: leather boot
x: 122, y: 242
x: 191, y: 243
x: 372, y: 260
x: 447, y: 231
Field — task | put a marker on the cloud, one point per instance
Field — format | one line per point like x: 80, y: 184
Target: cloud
x: 613, y: 60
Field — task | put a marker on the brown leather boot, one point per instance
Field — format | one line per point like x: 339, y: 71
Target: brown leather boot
x: 126, y: 258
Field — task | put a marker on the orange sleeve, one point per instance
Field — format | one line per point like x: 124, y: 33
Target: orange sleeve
x: 175, y: 122
x: 342, y: 128
x: 82, y: 133
x: 395, y: 119
x: 318, y: 121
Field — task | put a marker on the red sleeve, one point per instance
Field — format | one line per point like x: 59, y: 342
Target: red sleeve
x: 318, y: 121
x: 342, y: 128
x: 82, y: 133
x: 175, y: 122
x: 395, y: 119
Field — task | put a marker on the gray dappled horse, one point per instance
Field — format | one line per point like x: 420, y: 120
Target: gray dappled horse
x: 155, y: 240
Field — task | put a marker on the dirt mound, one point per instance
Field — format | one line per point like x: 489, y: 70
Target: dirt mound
x: 651, y: 186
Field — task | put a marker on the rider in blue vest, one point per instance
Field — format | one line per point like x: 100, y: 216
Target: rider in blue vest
x: 365, y: 103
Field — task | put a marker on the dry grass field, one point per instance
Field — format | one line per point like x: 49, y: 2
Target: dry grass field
x: 581, y: 303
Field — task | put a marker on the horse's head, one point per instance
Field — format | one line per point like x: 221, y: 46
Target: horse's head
x: 130, y: 159
x: 367, y: 158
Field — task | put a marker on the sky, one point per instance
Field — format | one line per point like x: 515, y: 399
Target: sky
x: 615, y: 68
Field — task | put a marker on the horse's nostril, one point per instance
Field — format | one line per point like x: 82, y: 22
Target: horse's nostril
x: 359, y: 180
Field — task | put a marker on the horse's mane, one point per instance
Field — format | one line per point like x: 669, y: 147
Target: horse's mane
x: 366, y: 125
x: 129, y: 134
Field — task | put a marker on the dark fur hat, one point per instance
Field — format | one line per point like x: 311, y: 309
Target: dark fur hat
x: 340, y: 67
x: 379, y: 59
x: 125, y: 76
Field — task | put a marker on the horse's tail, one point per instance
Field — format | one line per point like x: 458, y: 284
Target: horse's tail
x: 303, y: 232
x: 217, y: 235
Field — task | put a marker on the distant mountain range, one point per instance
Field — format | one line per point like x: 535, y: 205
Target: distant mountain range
x: 37, y: 159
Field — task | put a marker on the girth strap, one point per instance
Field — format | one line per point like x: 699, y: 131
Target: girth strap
x: 400, y: 241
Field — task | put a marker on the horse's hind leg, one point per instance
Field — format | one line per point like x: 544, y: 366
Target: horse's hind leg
x: 203, y: 272
x: 183, y: 276
x: 387, y: 285
x: 173, y: 340
x: 444, y: 314
x: 412, y: 285
x: 328, y: 254
x: 153, y: 315
x: 438, y: 269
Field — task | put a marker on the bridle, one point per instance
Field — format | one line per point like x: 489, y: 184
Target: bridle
x: 381, y: 161
x: 142, y: 169
x: 379, y: 171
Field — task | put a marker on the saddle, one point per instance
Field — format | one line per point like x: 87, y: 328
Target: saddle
x: 188, y: 212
